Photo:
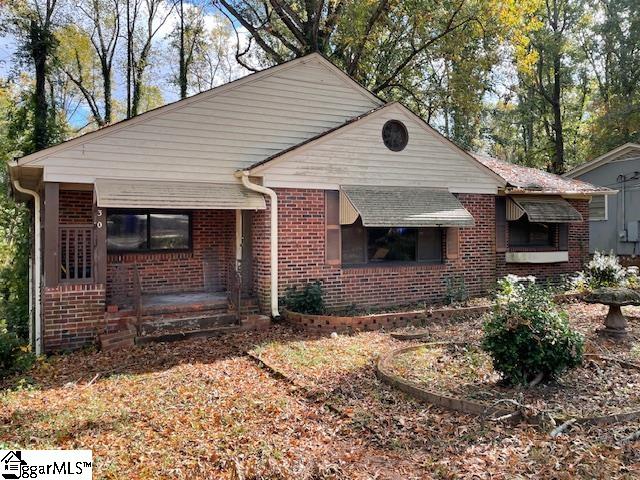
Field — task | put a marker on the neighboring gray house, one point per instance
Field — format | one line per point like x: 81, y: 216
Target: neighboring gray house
x: 614, y: 219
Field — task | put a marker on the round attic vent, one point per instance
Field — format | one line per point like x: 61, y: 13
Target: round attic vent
x: 395, y: 135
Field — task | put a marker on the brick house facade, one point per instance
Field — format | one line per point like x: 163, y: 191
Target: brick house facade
x: 75, y: 313
x: 302, y: 257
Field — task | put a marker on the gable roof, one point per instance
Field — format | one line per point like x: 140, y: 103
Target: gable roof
x: 534, y: 180
x: 267, y: 163
x: 200, y: 97
x: 610, y: 156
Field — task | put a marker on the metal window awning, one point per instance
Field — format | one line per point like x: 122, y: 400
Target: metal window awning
x: 542, y: 209
x: 113, y: 193
x: 402, y: 207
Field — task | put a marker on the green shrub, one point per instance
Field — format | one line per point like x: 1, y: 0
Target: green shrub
x: 308, y: 300
x: 456, y: 290
x: 14, y: 357
x: 527, y: 335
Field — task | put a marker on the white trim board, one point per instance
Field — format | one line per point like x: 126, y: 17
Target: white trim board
x: 536, y: 257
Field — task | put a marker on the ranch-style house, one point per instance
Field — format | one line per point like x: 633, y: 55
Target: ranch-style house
x: 213, y: 206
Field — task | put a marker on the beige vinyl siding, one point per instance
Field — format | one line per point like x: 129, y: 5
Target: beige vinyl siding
x: 207, y: 140
x: 356, y: 154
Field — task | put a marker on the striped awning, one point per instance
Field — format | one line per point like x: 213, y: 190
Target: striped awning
x: 112, y: 193
x: 402, y: 207
x: 542, y: 209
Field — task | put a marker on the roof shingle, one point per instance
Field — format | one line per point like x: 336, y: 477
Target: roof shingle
x: 534, y: 180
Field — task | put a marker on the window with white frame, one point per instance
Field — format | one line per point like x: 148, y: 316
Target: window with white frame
x: 598, y: 208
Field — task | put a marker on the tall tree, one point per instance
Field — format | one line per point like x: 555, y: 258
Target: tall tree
x: 145, y: 18
x: 611, y: 44
x: 34, y: 24
x: 213, y: 60
x: 383, y: 43
x: 188, y: 38
x: 550, y: 90
x: 103, y: 19
x: 77, y: 59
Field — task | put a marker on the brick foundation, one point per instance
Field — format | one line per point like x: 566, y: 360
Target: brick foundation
x: 73, y: 316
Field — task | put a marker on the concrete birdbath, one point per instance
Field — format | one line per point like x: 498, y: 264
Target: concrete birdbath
x: 615, y: 297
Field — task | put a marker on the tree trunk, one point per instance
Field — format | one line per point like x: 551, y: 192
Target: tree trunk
x: 183, y: 66
x: 129, y: 53
x: 106, y: 82
x: 558, y: 157
x: 39, y: 53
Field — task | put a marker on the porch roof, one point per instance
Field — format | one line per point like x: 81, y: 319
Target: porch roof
x: 112, y: 193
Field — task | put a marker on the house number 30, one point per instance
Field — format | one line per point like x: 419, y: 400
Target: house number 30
x: 99, y: 214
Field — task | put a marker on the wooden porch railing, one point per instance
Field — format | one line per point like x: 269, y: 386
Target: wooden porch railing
x: 75, y: 248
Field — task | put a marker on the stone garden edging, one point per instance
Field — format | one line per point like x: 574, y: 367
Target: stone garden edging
x: 449, y: 402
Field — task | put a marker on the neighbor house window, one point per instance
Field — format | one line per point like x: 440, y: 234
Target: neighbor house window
x: 598, y: 208
x: 361, y: 245
x: 139, y: 231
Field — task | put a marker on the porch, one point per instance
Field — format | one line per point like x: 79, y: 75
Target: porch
x: 176, y: 316
x: 161, y: 273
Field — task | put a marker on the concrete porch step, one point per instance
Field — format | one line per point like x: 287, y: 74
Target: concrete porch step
x: 158, y: 325
x: 174, y: 336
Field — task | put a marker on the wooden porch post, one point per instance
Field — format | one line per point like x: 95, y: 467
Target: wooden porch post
x: 100, y: 235
x: 51, y: 224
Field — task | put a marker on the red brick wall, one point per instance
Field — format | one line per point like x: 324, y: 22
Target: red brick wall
x: 76, y: 207
x: 301, y: 257
x: 578, y: 252
x: 73, y: 316
x: 205, y: 267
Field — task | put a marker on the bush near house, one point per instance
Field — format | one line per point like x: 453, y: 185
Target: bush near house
x: 14, y: 356
x: 527, y: 336
x: 308, y: 300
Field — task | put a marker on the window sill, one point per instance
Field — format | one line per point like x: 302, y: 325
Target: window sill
x: 392, y: 266
x: 537, y: 257
x: 114, y: 257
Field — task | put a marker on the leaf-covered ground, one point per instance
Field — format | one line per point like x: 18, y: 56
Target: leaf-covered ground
x: 204, y: 409
x: 597, y: 387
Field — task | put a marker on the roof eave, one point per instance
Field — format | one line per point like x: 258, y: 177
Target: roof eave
x: 524, y: 191
x: 599, y: 161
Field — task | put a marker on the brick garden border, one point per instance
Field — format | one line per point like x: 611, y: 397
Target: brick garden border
x: 449, y: 402
x: 335, y: 323
x: 341, y: 324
